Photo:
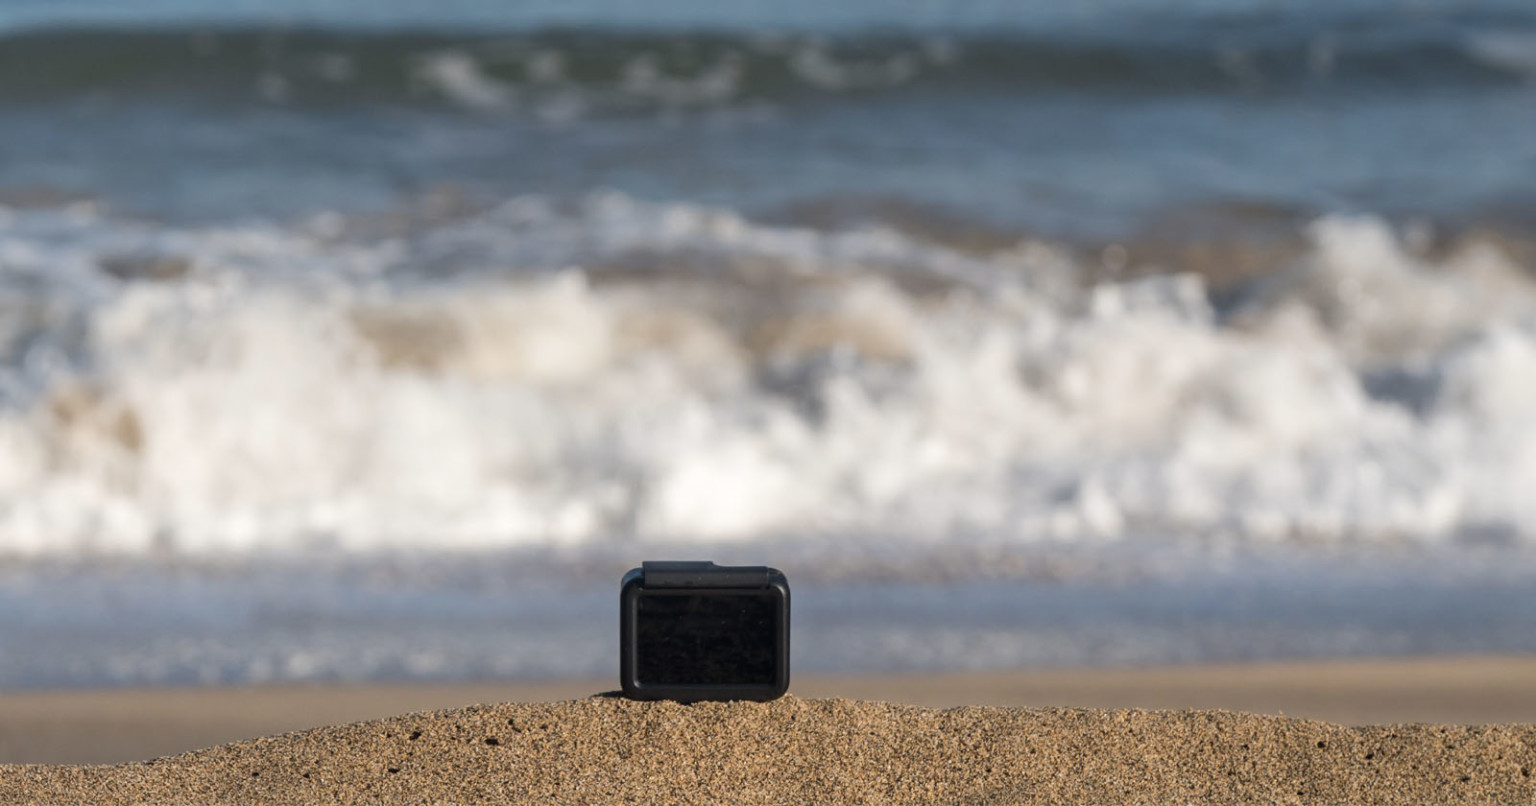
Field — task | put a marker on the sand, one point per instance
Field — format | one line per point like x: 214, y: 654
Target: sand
x: 116, y: 725
x: 837, y: 750
x: 799, y: 751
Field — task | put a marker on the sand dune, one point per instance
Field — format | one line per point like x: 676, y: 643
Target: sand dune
x: 799, y: 751
x: 105, y: 726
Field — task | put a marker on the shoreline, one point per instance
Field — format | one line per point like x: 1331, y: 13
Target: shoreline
x: 96, y: 726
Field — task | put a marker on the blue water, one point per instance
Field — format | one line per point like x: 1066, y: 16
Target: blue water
x: 492, y: 619
x: 1130, y: 16
x: 1094, y: 121
x: 207, y: 476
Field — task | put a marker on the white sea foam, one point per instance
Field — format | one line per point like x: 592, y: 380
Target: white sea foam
x: 1511, y: 50
x: 537, y: 375
x: 458, y: 77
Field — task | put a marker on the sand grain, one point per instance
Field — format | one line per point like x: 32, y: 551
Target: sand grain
x: 797, y: 751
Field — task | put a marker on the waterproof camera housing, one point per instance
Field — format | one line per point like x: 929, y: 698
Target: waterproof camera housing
x: 691, y: 631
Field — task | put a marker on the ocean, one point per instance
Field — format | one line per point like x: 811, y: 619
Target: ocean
x: 374, y: 340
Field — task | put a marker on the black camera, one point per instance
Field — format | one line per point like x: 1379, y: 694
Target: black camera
x: 691, y: 631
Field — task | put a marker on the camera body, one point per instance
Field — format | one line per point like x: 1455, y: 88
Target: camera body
x: 691, y: 631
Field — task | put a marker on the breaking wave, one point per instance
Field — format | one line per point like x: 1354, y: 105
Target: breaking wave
x: 572, y: 72
x: 544, y: 374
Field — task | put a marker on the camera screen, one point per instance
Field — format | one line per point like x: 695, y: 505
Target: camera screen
x: 706, y: 638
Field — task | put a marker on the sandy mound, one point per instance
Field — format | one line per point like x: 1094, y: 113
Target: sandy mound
x: 796, y: 751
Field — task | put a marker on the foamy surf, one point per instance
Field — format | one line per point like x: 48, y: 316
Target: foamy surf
x: 617, y: 371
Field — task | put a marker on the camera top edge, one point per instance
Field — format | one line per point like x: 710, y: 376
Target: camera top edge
x: 704, y: 574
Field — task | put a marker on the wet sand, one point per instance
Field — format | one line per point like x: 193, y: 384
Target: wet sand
x: 1064, y: 736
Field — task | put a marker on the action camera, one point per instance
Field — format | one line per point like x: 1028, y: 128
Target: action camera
x: 691, y: 631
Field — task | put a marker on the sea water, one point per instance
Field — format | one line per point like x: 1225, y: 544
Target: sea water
x: 367, y: 343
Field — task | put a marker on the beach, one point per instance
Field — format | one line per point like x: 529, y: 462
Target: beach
x: 1335, y: 732
x: 1139, y: 397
